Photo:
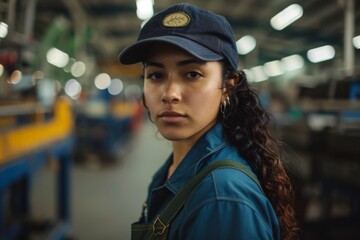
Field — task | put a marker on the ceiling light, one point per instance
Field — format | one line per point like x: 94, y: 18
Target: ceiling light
x: 1, y: 70
x: 15, y: 77
x: 245, y: 44
x: 144, y: 9
x: 356, y: 42
x: 3, y: 29
x: 102, y: 81
x: 57, y: 57
x: 116, y: 86
x: 72, y: 88
x: 286, y: 16
x: 68, y: 66
x: 78, y: 69
x: 273, y: 68
x: 321, y: 54
x: 259, y: 74
x: 292, y: 62
x: 249, y: 75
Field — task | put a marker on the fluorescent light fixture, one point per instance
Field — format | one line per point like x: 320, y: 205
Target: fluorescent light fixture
x: 3, y: 29
x: 286, y: 16
x: 116, y: 86
x: 259, y: 74
x: 292, y: 62
x: 72, y: 88
x: 356, y: 42
x: 245, y: 44
x: 273, y: 68
x: 68, y: 66
x: 102, y: 81
x: 144, y: 9
x: 321, y: 54
x: 78, y: 69
x: 249, y: 75
x: 15, y: 77
x: 57, y: 57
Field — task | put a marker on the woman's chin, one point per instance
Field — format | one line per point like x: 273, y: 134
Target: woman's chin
x: 173, y: 136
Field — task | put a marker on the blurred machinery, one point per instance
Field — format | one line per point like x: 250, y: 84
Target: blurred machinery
x: 105, y: 126
x: 36, y: 126
x: 326, y: 136
x: 31, y: 135
x: 40, y: 126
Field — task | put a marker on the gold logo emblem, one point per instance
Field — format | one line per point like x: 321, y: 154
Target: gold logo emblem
x: 178, y: 19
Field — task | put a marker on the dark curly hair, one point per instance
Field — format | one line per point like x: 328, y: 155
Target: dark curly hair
x: 246, y: 126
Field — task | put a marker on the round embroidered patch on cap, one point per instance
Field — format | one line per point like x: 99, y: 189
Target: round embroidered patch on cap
x: 177, y: 19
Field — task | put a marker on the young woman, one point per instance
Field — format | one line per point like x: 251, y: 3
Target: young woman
x: 203, y: 105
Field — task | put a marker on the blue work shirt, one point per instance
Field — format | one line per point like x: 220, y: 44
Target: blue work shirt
x: 227, y: 204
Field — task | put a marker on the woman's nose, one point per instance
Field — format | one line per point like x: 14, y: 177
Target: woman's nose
x: 171, y: 92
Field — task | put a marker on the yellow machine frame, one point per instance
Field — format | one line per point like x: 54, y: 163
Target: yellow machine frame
x: 21, y: 140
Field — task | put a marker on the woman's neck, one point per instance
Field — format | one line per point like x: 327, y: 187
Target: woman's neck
x: 182, y: 147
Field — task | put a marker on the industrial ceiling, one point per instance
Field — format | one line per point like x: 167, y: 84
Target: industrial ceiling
x: 112, y: 25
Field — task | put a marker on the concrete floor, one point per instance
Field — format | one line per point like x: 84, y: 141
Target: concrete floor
x: 105, y: 200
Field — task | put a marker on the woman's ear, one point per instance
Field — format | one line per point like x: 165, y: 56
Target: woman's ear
x: 230, y: 83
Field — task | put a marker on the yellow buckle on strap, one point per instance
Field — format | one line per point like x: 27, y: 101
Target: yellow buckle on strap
x: 161, y: 230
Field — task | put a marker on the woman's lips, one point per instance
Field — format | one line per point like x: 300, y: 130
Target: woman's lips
x: 172, y: 117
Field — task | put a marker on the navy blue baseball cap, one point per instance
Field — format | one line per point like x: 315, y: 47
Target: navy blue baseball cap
x: 204, y: 34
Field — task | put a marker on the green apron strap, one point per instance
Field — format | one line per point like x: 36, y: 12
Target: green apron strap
x: 163, y: 220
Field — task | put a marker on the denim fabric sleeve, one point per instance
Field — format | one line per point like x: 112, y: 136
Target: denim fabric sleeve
x: 223, y: 219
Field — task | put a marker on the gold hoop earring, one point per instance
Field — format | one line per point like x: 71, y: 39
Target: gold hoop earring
x: 226, y: 103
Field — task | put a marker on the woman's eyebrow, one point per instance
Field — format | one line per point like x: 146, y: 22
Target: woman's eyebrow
x: 179, y: 64
x: 191, y: 61
x: 153, y: 64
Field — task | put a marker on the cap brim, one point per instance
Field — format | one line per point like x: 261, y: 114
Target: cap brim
x: 137, y: 52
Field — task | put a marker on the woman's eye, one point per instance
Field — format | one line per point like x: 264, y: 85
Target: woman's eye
x: 154, y: 76
x: 193, y: 75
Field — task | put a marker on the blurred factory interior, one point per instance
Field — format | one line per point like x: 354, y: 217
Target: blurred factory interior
x: 77, y: 150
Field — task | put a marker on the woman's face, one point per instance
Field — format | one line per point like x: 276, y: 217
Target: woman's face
x: 182, y: 93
